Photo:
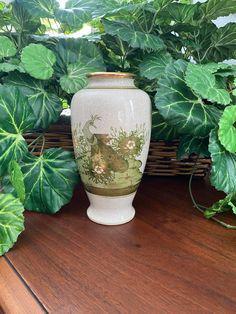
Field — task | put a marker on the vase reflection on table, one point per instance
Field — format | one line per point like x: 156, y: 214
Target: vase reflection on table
x: 111, y: 126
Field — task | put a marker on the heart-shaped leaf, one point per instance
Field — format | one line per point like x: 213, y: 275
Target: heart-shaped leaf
x: 223, y: 171
x: 49, y: 180
x: 192, y: 145
x: 161, y: 130
x: 38, y: 61
x: 11, y: 221
x: 135, y: 38
x: 227, y: 130
x: 17, y: 180
x: 180, y: 107
x: 154, y: 65
x: 7, y: 47
x: 46, y: 106
x: 215, y: 8
x: 75, y: 18
x: 203, y: 82
x: 40, y: 8
x: 16, y: 117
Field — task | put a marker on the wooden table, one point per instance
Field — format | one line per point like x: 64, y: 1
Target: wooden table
x: 169, y: 259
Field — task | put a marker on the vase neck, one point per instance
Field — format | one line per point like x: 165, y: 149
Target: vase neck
x: 108, y: 80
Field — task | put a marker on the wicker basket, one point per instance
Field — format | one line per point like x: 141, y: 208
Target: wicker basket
x: 161, y: 159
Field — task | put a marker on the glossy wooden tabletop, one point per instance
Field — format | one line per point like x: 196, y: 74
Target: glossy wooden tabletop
x: 169, y: 259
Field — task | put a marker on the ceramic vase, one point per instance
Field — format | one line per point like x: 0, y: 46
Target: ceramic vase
x: 111, y: 126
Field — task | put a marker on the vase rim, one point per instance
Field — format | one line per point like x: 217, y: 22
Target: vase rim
x: 111, y: 74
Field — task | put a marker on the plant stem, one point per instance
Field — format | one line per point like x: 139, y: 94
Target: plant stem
x: 202, y: 208
x: 43, y: 144
x: 153, y: 22
x: 35, y: 140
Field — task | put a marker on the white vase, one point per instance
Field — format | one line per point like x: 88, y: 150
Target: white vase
x: 111, y: 126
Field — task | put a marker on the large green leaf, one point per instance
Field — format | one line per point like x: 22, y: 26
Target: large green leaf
x: 17, y: 180
x: 75, y: 18
x: 180, y: 107
x: 161, y: 130
x: 203, y: 82
x: 76, y: 58
x: 40, y: 8
x: 49, y: 180
x: 223, y: 171
x: 181, y: 13
x: 46, y: 106
x: 11, y: 221
x: 38, y: 61
x: 154, y: 65
x: 136, y: 39
x: 7, y: 47
x: 223, y: 43
x: 101, y: 8
x: 161, y: 4
x: 215, y: 8
x: 228, y: 203
x: 192, y: 145
x: 16, y: 117
x: 9, y: 67
x: 227, y: 130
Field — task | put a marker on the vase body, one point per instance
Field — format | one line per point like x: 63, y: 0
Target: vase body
x: 111, y: 127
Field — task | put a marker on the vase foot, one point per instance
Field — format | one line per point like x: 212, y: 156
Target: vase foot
x: 110, y: 210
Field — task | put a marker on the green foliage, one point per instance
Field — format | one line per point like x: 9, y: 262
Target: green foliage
x: 192, y: 145
x: 227, y: 130
x: 7, y: 47
x: 12, y: 221
x: 17, y: 180
x: 228, y: 203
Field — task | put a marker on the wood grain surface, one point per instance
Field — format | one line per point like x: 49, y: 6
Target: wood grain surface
x: 169, y: 259
x: 15, y: 298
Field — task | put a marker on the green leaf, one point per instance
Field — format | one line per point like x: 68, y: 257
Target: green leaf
x: 47, y: 106
x: 223, y: 42
x: 192, y: 145
x: 181, y: 13
x: 136, y: 39
x: 7, y: 47
x: 161, y: 4
x: 49, y: 180
x: 76, y: 77
x: 38, y: 61
x: 228, y: 203
x: 161, y: 130
x: 40, y: 8
x: 234, y: 90
x: 11, y: 221
x: 215, y: 8
x: 9, y: 67
x: 227, y: 130
x: 17, y: 180
x: 16, y: 117
x: 76, y: 58
x: 203, y: 82
x: 75, y: 18
x: 180, y: 107
x: 154, y: 65
x: 223, y: 171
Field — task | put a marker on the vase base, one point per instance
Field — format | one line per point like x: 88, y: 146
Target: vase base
x: 111, y: 210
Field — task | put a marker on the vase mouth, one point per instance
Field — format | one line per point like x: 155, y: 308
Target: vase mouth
x: 111, y: 74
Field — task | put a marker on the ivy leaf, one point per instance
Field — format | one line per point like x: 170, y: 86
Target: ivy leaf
x: 75, y: 18
x: 49, y: 180
x: 16, y: 117
x: 136, y: 39
x: 7, y: 47
x: 11, y: 221
x: 203, y: 82
x: 38, y: 61
x: 228, y: 203
x: 223, y: 171
x: 215, y: 8
x: 154, y: 65
x: 40, y: 8
x: 161, y: 130
x: 47, y: 106
x: 17, y: 180
x: 76, y: 77
x: 227, y: 130
x: 192, y: 145
x: 180, y: 107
